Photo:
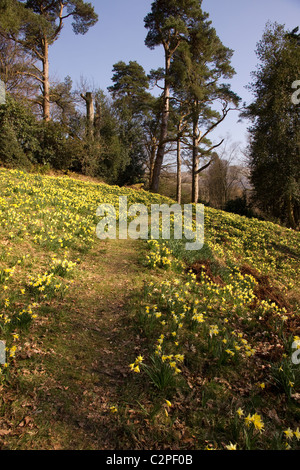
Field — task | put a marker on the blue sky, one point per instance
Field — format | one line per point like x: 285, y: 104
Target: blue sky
x: 120, y: 35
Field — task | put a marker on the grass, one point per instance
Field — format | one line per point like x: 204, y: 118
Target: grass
x: 128, y: 345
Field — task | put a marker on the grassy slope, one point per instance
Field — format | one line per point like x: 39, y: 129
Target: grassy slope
x: 79, y: 329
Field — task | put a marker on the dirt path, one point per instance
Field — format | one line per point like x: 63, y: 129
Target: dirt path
x: 77, y: 358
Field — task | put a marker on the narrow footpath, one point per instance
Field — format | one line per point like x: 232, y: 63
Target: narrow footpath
x: 78, y: 356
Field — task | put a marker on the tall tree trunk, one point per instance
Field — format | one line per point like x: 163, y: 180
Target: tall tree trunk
x: 97, y: 119
x: 178, y: 188
x: 290, y: 211
x: 152, y: 161
x: 164, y: 128
x: 46, y: 81
x: 195, y: 174
x: 90, y: 114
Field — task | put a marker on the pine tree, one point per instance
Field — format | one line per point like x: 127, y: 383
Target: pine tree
x: 195, y: 60
x: 36, y: 25
x: 167, y: 25
x: 199, y: 65
x: 130, y: 85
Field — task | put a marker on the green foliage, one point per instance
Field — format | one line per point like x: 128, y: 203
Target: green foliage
x: 129, y: 89
x: 239, y: 206
x: 112, y: 156
x: 32, y: 14
x: 54, y: 146
x: 25, y: 141
x: 132, y: 139
x: 18, y: 140
x: 275, y: 133
x: 167, y: 22
x: 160, y: 374
x: 63, y: 98
x: 134, y: 106
x: 11, y: 153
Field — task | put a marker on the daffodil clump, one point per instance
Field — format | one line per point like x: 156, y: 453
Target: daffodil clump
x: 62, y: 267
x: 46, y: 286
x: 160, y: 256
x: 250, y: 428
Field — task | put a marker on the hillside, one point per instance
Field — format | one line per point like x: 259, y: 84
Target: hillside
x: 124, y: 344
